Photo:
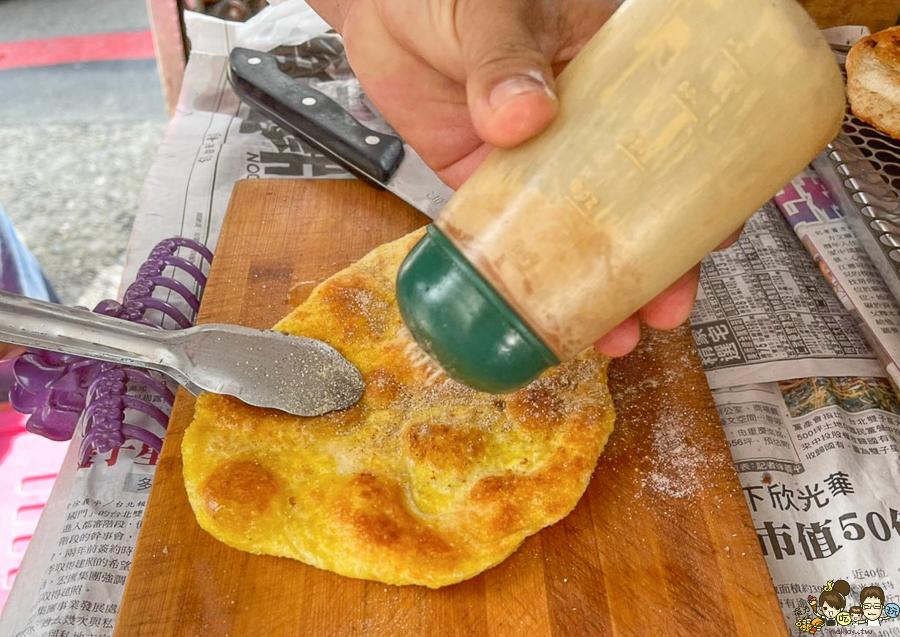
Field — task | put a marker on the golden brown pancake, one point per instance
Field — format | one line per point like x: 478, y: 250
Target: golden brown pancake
x: 423, y: 481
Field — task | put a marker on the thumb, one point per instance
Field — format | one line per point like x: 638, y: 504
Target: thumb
x: 509, y: 81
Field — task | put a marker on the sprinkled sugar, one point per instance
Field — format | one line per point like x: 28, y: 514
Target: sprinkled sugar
x: 680, y: 460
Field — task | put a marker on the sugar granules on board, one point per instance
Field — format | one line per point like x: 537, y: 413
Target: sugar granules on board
x: 680, y: 462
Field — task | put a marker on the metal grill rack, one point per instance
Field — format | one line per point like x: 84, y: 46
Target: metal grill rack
x: 862, y: 170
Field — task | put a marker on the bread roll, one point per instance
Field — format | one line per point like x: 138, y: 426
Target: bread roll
x: 873, y: 80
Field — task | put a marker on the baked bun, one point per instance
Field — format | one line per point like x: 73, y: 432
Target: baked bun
x: 873, y: 80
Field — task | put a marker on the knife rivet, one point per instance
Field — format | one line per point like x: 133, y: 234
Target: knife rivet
x: 308, y: 101
x: 371, y: 140
x: 253, y: 61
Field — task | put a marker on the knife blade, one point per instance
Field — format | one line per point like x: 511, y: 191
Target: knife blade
x: 381, y: 160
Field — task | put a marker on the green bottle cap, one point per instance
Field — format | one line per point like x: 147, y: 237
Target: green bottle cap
x: 458, y: 318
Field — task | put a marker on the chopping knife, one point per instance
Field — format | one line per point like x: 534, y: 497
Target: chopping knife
x: 381, y: 160
x: 301, y: 376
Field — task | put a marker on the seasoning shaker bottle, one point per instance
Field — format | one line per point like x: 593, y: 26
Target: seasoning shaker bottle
x: 676, y: 122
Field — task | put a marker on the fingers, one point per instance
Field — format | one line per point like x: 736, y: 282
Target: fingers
x: 332, y: 12
x: 425, y: 105
x: 667, y: 311
x: 622, y: 339
x: 673, y: 307
x: 456, y: 173
x: 509, y: 81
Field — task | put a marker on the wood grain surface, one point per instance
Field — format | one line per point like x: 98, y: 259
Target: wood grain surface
x: 875, y: 14
x: 661, y: 543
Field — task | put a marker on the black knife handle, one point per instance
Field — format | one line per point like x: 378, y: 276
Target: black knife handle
x: 314, y: 117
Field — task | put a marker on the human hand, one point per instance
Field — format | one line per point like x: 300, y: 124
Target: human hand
x: 458, y: 77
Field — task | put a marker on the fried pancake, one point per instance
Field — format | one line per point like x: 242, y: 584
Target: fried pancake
x: 423, y: 481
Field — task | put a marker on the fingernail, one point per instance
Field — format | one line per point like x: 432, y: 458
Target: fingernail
x: 518, y: 85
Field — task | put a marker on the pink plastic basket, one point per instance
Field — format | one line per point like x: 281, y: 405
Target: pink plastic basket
x: 28, y: 468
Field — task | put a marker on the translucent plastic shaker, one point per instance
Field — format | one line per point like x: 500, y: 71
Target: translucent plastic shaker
x: 677, y: 121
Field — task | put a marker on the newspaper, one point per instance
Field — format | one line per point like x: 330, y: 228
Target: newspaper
x: 817, y: 460
x: 809, y: 416
x: 90, y: 555
x: 812, y: 422
x: 764, y: 311
x: 819, y: 221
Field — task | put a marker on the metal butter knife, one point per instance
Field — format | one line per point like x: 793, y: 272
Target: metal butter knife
x: 301, y: 376
x: 381, y: 160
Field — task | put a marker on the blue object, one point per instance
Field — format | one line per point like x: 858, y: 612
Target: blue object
x: 19, y: 270
x: 60, y: 390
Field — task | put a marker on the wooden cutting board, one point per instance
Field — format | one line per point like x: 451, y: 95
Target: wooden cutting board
x: 661, y: 543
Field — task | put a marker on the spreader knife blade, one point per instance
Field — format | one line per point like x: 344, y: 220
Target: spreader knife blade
x: 381, y: 160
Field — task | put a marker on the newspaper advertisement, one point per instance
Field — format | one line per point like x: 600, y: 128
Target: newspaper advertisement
x: 819, y: 222
x: 809, y: 416
x: 818, y: 462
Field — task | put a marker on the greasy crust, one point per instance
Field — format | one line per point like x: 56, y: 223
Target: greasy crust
x: 424, y: 481
x: 873, y: 80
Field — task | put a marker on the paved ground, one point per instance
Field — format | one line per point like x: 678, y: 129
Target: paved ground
x: 76, y: 141
x: 31, y: 19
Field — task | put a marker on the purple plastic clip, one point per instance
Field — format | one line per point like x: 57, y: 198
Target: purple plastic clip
x: 58, y: 390
x: 107, y: 403
x: 51, y: 388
